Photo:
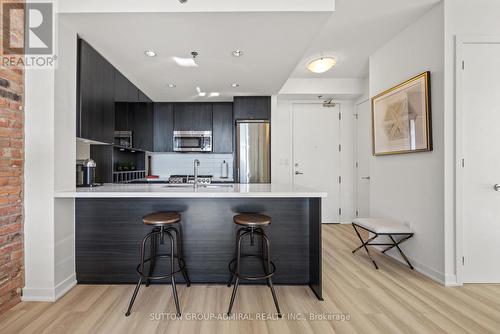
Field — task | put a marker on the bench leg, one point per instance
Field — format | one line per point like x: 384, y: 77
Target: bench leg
x: 396, y: 244
x: 364, y: 245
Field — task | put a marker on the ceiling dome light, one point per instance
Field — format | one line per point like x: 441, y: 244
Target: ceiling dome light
x: 150, y: 53
x: 321, y: 65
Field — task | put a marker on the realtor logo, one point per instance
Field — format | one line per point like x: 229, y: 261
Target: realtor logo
x: 38, y: 29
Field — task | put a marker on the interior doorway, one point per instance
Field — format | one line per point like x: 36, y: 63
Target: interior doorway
x: 316, y: 156
x: 478, y: 151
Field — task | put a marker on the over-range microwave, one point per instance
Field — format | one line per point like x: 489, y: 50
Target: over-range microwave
x: 193, y: 141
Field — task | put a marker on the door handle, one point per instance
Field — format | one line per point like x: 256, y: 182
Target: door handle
x: 496, y: 187
x: 299, y: 173
x: 365, y: 178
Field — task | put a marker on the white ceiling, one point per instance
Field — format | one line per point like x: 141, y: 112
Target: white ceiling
x: 273, y: 44
x: 356, y: 30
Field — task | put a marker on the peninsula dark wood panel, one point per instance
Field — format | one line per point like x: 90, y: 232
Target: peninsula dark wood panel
x: 109, y: 232
x: 315, y: 256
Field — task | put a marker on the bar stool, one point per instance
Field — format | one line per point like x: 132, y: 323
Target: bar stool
x: 252, y: 225
x: 162, y: 226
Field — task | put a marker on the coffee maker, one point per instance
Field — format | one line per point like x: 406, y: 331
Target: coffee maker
x: 85, y: 173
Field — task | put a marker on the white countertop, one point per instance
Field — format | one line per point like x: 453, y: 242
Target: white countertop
x: 165, y: 191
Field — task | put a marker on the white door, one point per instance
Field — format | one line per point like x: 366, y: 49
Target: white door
x: 316, y: 135
x: 363, y: 153
x: 481, y: 144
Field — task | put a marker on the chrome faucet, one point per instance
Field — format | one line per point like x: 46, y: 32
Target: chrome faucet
x: 196, y: 168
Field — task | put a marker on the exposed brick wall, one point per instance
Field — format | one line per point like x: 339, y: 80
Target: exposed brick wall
x: 11, y: 176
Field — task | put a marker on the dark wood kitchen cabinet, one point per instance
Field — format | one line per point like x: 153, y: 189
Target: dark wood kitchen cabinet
x: 163, y: 127
x: 252, y: 107
x: 193, y: 116
x: 142, y: 125
x: 124, y: 90
x: 95, y: 93
x: 222, y: 127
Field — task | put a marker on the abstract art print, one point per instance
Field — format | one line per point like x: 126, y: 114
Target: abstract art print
x: 401, y: 118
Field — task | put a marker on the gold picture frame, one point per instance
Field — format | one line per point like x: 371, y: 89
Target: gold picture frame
x: 401, y: 118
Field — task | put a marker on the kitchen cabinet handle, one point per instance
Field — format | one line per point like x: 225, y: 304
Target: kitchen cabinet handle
x: 299, y: 173
x: 365, y: 178
x: 496, y: 187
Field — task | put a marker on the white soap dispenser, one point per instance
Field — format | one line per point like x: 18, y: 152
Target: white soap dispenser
x: 224, y: 170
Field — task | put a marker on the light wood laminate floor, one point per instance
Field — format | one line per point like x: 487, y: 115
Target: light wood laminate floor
x: 393, y: 299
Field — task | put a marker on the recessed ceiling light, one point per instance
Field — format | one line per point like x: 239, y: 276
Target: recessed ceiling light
x: 202, y: 94
x: 321, y: 65
x: 235, y: 85
x: 171, y: 85
x: 150, y: 53
x: 214, y: 94
x: 238, y: 53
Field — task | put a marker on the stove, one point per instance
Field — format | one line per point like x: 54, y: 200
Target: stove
x: 180, y: 179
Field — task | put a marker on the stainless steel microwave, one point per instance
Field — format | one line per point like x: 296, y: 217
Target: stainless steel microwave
x: 193, y: 141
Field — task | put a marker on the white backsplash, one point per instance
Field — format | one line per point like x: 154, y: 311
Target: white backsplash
x: 166, y: 164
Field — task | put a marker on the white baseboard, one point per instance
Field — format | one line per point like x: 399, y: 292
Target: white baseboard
x: 49, y: 295
x: 451, y: 280
x: 422, y: 268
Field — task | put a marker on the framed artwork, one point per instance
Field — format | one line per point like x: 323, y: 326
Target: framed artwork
x: 401, y: 118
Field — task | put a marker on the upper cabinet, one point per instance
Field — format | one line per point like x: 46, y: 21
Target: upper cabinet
x: 95, y: 105
x: 252, y: 107
x: 163, y: 127
x: 222, y: 127
x: 142, y: 126
x: 193, y: 116
x: 125, y: 91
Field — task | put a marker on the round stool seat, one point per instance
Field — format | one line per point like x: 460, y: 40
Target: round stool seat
x: 252, y: 220
x: 161, y: 218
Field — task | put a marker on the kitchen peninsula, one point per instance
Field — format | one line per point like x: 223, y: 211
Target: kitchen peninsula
x: 108, y: 229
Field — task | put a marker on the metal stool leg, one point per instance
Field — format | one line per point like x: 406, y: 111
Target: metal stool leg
x: 268, y: 269
x: 264, y: 253
x: 152, y: 254
x: 236, y: 284
x: 172, y: 269
x: 143, y: 246
x: 180, y: 255
x: 231, y: 276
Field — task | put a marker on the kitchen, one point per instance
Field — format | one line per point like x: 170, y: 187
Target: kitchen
x: 180, y: 157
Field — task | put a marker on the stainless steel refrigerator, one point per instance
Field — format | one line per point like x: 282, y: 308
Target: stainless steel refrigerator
x: 253, y: 151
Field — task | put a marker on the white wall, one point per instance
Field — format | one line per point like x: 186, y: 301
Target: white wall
x: 410, y: 187
x: 79, y: 6
x: 462, y: 17
x: 282, y: 150
x: 342, y: 88
x: 50, y: 164
x: 166, y: 164
x: 39, y: 185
